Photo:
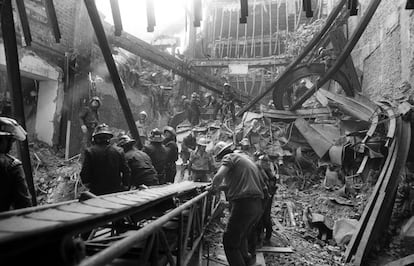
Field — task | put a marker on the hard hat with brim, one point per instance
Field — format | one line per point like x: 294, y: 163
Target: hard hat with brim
x: 156, y: 135
x: 199, y: 129
x: 10, y: 127
x: 102, y: 131
x: 169, y: 129
x: 202, y: 142
x: 221, y: 147
x: 124, y: 140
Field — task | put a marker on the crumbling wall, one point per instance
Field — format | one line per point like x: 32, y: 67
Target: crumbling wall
x: 385, y: 50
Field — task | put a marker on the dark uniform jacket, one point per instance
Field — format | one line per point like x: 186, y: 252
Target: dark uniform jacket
x: 105, y: 169
x: 159, y: 156
x: 172, y: 149
x: 142, y: 170
x: 13, y: 190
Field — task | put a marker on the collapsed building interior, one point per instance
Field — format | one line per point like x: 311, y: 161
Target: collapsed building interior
x: 321, y: 87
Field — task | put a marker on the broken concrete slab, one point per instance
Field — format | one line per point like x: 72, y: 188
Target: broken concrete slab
x: 319, y: 143
x: 343, y: 230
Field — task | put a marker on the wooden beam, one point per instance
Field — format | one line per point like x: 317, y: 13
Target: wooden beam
x: 252, y: 62
x: 167, y: 61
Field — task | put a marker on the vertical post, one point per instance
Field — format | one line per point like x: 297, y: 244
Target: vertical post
x: 13, y: 73
x: 262, y: 22
x: 228, y: 36
x: 180, y: 247
x: 116, y: 16
x: 236, y: 52
x: 270, y: 28
x: 110, y: 63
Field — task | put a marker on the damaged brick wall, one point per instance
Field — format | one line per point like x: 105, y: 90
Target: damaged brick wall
x: 385, y: 51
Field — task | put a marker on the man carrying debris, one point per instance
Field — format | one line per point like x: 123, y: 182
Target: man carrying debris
x: 158, y: 154
x: 170, y: 142
x: 245, y: 195
x: 142, y: 126
x: 105, y: 169
x: 89, y: 119
x: 201, y: 163
x: 142, y: 170
x: 13, y: 190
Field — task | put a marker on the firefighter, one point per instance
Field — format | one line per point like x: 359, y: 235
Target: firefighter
x: 104, y: 169
x: 142, y: 170
x: 89, y: 119
x: 158, y: 154
x: 201, y: 163
x: 14, y: 192
x: 245, y: 194
x: 170, y: 142
x: 195, y: 106
x: 226, y: 105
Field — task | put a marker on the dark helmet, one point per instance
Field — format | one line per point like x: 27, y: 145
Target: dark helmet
x: 96, y: 99
x: 10, y: 127
x: 102, y: 131
x: 169, y: 129
x: 156, y: 135
x: 124, y: 140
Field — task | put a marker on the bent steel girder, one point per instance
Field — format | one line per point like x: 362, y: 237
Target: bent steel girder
x: 314, y: 69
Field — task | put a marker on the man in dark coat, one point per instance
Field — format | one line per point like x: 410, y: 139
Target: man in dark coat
x: 14, y: 192
x: 158, y: 154
x: 105, y: 169
x: 245, y: 194
x: 170, y: 142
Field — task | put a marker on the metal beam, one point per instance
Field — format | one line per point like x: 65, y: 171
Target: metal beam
x: 116, y: 16
x: 13, y: 74
x: 51, y: 16
x: 24, y: 22
x: 167, y: 61
x: 252, y: 62
x: 315, y: 40
x: 113, y: 71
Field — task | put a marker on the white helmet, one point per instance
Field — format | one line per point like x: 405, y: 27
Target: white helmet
x: 10, y: 127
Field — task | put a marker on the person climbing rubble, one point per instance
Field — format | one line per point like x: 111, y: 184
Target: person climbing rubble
x: 158, y: 154
x: 201, y: 163
x: 14, y: 192
x: 89, y: 119
x: 226, y: 104
x: 195, y: 106
x: 104, y: 169
x: 142, y: 126
x: 245, y: 194
x: 170, y: 142
x: 142, y: 170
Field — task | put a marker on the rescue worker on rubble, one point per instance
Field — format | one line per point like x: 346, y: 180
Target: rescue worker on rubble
x: 246, y: 148
x: 105, y: 169
x: 142, y: 170
x: 226, y: 105
x: 195, y: 111
x: 265, y: 224
x: 201, y: 163
x: 158, y: 154
x: 211, y: 103
x: 14, y: 192
x: 189, y: 144
x: 89, y: 119
x: 170, y: 142
x: 142, y: 126
x: 245, y: 194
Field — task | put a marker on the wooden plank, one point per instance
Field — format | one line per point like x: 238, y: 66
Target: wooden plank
x: 167, y: 61
x: 338, y: 41
x: 22, y: 224
x: 275, y: 249
x: 82, y: 208
x: 101, y: 203
x: 408, y: 260
x: 118, y: 200
x: 131, y: 198
x: 57, y: 215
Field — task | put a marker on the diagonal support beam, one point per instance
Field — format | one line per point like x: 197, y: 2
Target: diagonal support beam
x: 13, y: 73
x: 167, y: 61
x: 24, y: 21
x: 113, y: 71
x: 51, y: 16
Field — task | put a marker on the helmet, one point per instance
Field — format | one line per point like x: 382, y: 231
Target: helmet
x: 124, y: 140
x: 226, y: 84
x: 10, y: 127
x: 169, y: 129
x: 102, y: 130
x: 156, y: 135
x: 208, y: 95
x: 95, y: 98
x: 320, y: 50
x: 220, y: 147
x: 202, y: 142
x: 144, y: 114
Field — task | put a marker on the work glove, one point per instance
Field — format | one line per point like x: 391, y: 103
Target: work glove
x: 84, y: 129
